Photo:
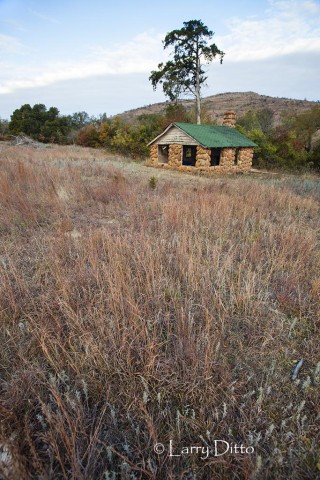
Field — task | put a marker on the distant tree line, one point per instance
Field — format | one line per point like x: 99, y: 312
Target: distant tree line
x: 46, y: 125
x: 114, y: 133
x: 293, y: 144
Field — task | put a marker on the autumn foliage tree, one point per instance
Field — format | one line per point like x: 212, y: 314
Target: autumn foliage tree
x: 294, y: 144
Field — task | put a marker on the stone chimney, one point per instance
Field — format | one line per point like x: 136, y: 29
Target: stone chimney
x: 229, y: 119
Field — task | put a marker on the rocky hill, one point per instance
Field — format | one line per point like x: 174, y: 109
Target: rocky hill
x: 240, y: 102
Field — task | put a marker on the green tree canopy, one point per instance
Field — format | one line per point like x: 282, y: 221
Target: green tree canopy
x: 185, y: 73
x: 46, y: 125
x: 31, y: 120
x: 257, y: 120
x: 305, y: 125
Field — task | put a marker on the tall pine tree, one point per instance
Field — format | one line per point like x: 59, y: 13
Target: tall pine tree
x: 185, y: 73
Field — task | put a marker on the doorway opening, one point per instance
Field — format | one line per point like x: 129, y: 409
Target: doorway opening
x: 215, y: 157
x: 163, y: 153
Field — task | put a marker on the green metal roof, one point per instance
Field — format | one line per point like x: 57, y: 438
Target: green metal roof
x: 215, y: 136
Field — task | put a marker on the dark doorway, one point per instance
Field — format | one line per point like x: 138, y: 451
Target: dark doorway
x: 189, y: 156
x: 163, y: 153
x: 215, y: 156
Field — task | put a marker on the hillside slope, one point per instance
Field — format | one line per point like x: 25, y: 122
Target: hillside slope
x: 241, y: 102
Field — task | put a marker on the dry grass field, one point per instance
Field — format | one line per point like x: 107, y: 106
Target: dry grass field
x: 137, y: 311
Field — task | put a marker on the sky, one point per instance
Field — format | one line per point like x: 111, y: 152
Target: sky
x: 96, y: 56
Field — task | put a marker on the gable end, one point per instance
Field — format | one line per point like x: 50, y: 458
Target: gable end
x: 173, y: 134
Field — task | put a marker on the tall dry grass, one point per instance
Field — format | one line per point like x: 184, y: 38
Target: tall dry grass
x: 132, y: 315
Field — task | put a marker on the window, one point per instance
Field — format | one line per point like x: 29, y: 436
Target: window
x: 189, y: 155
x: 188, y: 152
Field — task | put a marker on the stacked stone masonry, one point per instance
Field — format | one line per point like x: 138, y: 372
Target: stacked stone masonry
x: 227, y: 158
x: 203, y: 157
x: 231, y: 159
x: 245, y: 156
x: 153, y: 160
x: 230, y: 119
x: 175, y: 155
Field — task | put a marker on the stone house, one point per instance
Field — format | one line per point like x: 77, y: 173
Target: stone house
x: 210, y: 148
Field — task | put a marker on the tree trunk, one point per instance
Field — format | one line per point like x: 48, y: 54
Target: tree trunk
x: 198, y: 104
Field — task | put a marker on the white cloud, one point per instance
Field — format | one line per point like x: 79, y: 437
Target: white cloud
x: 289, y: 26
x: 141, y: 54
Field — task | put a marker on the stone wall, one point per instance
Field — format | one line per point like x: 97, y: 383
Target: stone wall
x: 175, y: 155
x: 203, y: 156
x: 245, y: 156
x: 227, y: 157
x: 153, y: 159
x: 203, y: 159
